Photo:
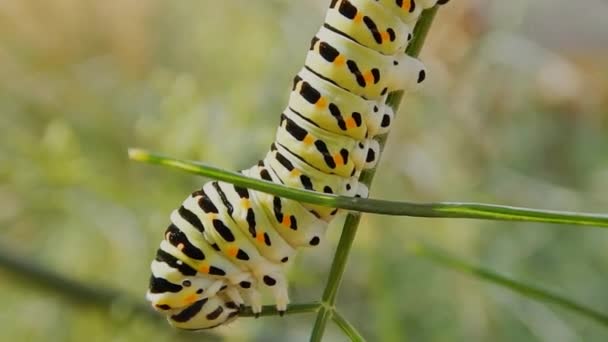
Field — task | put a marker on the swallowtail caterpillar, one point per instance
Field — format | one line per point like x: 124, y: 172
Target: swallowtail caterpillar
x: 226, y: 243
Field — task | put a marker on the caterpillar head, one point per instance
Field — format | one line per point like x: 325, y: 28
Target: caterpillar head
x: 204, y: 314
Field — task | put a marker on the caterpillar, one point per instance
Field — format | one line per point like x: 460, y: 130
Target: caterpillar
x: 225, y: 243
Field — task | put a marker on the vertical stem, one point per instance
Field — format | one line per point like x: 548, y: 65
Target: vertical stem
x: 340, y: 258
x: 351, y: 224
x: 322, y: 317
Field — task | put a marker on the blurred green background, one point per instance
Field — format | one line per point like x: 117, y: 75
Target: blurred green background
x: 515, y: 112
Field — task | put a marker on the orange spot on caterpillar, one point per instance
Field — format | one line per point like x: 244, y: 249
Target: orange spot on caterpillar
x: 351, y: 123
x: 286, y: 221
x: 190, y: 299
x: 338, y: 159
x: 340, y: 60
x: 295, y: 172
x: 406, y: 5
x: 369, y: 77
x: 245, y: 204
x: 321, y: 103
x: 358, y: 17
x: 308, y: 139
x: 385, y: 36
x: 204, y: 268
x: 180, y: 246
x: 232, y: 250
x: 260, y: 237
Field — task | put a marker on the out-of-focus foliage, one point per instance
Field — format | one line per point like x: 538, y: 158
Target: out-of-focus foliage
x: 516, y: 112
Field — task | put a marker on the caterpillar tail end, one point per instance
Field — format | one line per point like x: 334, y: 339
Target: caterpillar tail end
x: 204, y: 314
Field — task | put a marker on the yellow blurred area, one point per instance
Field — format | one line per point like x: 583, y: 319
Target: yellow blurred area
x: 515, y: 112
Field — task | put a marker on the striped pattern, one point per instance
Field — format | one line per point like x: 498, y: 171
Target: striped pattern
x: 226, y: 243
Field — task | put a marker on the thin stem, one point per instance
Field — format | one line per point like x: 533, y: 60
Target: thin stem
x: 351, y: 224
x: 529, y: 291
x: 340, y: 258
x: 320, y: 323
x: 348, y: 329
x: 335, y: 274
x: 468, y: 210
x: 70, y: 289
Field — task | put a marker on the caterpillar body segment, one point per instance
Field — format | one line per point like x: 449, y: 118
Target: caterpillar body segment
x: 345, y: 114
x: 369, y: 24
x: 234, y: 243
x: 327, y: 152
x: 407, y: 10
x: 226, y: 244
x: 254, y: 224
x: 206, y: 260
x: 296, y: 173
x: 292, y: 171
x: 299, y: 225
x: 349, y: 65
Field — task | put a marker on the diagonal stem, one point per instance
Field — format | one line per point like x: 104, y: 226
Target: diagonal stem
x: 530, y: 291
x: 76, y: 291
x: 346, y: 327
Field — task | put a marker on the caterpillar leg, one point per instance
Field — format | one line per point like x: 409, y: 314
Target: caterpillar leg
x: 380, y: 122
x: 273, y: 278
x: 373, y: 152
x: 235, y: 296
x: 362, y: 191
x: 251, y: 293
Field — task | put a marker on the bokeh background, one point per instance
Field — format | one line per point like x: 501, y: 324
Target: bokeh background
x: 515, y: 112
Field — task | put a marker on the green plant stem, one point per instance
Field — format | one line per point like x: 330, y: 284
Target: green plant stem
x: 341, y: 257
x: 323, y: 316
x: 348, y: 329
x: 368, y: 205
x: 70, y: 289
x: 336, y: 273
x: 351, y: 224
x: 530, y: 291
